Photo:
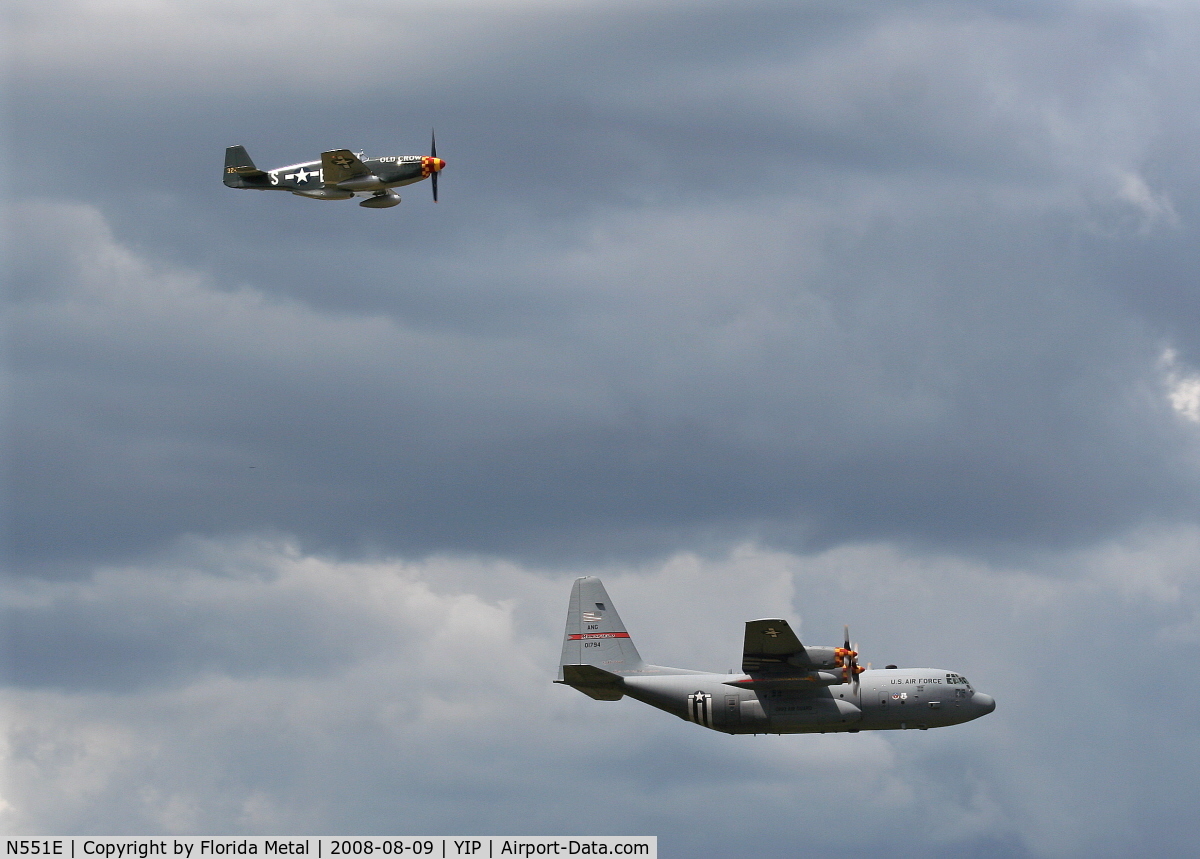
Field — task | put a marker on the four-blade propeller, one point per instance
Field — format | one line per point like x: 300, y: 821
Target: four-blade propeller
x: 846, y: 658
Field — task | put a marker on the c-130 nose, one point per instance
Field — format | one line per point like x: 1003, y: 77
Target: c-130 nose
x: 983, y: 703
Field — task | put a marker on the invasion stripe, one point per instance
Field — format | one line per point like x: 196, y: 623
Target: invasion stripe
x: 598, y: 635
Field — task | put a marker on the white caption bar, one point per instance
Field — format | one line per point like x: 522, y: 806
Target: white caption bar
x: 331, y: 847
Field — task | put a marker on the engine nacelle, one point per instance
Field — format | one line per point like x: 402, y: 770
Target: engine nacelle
x: 827, y: 678
x: 818, y: 658
x: 799, y: 681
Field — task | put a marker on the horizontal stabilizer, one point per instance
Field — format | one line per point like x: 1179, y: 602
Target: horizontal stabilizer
x: 593, y: 682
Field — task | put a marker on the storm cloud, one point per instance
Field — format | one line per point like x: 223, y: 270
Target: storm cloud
x: 845, y: 312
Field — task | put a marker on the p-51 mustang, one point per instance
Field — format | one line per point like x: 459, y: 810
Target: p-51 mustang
x: 339, y: 175
x: 784, y: 687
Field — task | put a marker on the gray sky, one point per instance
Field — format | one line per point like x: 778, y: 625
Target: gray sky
x: 845, y: 312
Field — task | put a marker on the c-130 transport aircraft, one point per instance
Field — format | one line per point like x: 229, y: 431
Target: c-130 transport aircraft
x: 784, y: 687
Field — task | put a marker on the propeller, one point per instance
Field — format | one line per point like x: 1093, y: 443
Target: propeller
x: 846, y: 658
x: 431, y: 165
x: 433, y: 154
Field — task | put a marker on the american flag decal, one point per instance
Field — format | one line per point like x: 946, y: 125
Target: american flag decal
x: 590, y: 617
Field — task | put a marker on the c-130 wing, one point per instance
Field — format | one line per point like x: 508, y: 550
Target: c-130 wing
x: 769, y: 646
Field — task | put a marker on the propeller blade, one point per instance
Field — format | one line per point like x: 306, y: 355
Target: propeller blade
x: 433, y: 154
x: 846, y: 657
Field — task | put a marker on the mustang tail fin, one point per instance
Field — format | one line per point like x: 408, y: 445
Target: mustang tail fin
x: 239, y: 168
x: 596, y: 648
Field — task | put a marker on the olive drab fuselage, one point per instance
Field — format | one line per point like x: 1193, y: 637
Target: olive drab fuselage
x: 392, y: 171
x: 338, y: 175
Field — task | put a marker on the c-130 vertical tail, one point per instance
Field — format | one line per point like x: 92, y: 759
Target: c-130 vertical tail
x: 596, y: 650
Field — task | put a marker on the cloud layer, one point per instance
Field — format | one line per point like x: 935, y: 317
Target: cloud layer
x: 843, y: 311
x: 271, y: 685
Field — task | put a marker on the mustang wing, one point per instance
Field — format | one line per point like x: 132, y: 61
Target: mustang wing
x: 338, y: 165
